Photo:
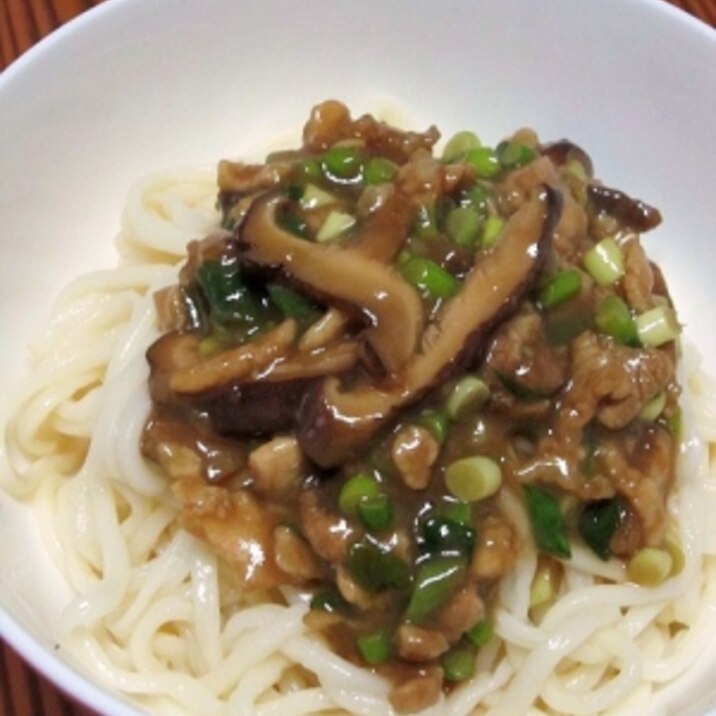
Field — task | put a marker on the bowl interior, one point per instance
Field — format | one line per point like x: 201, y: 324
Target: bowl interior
x: 133, y: 87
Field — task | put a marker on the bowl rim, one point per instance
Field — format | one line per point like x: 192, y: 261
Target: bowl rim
x: 40, y: 657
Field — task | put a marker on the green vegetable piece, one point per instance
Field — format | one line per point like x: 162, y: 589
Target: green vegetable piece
x: 437, y: 580
x: 654, y: 408
x: 560, y: 288
x: 543, y: 589
x: 657, y: 326
x: 459, y: 145
x: 473, y: 478
x: 477, y: 197
x: 336, y: 224
x: 442, y: 536
x: 597, y: 524
x: 357, y: 488
x: 329, y: 600
x: 459, y: 664
x: 375, y: 648
x: 430, y: 278
x: 376, y: 513
x: 293, y: 223
x: 650, y: 567
x: 435, y: 423
x: 342, y: 163
x: 294, y: 192
x: 230, y: 299
x: 548, y: 525
x: 426, y: 226
x: 379, y: 170
x: 491, y: 230
x: 293, y: 305
x: 604, y: 262
x: 485, y: 162
x: 455, y: 511
x: 462, y: 225
x: 466, y: 398
x: 613, y: 318
x: 577, y: 170
x: 673, y: 423
x: 513, y: 155
x: 313, y: 197
x: 375, y: 570
x: 481, y: 634
x: 309, y: 170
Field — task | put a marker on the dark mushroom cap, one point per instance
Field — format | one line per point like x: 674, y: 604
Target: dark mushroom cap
x: 335, y: 424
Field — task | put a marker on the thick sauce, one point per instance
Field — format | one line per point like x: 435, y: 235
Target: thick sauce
x: 381, y: 348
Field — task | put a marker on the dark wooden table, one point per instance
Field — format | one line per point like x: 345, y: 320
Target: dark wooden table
x: 22, y: 24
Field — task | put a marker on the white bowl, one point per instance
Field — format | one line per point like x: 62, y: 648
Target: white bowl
x: 133, y: 86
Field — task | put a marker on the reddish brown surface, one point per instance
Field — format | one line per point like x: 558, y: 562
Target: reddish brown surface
x: 23, y: 23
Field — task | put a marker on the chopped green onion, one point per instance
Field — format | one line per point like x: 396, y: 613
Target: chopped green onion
x: 513, y: 155
x: 376, y: 513
x: 673, y: 423
x: 543, y: 588
x: 294, y: 192
x: 375, y: 648
x: 459, y: 664
x: 375, y: 569
x: 313, y: 197
x: 437, y: 580
x: 468, y: 395
x: 309, y: 169
x: 459, y: 144
x: 548, y: 525
x: 343, y: 163
x: 462, y: 225
x: 292, y: 304
x: 336, y: 223
x: 481, y: 634
x: 439, y: 535
x: 473, y: 478
x: 230, y: 299
x: 293, y: 223
x: 484, y: 161
x: 654, y: 408
x: 650, y: 567
x: 329, y: 600
x: 614, y: 319
x: 379, y: 170
x: 604, y: 262
x: 576, y: 169
x: 357, y: 488
x: 435, y: 423
x: 597, y: 524
x: 455, y: 511
x: 430, y: 278
x: 560, y: 288
x: 491, y: 230
x: 657, y: 326
x: 477, y: 197
x: 425, y: 225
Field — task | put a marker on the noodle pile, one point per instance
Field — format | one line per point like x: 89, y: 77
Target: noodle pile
x: 159, y: 618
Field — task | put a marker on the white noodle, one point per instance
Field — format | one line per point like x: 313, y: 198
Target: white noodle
x: 155, y: 616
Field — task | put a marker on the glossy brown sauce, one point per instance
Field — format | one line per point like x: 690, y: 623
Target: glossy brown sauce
x: 332, y: 466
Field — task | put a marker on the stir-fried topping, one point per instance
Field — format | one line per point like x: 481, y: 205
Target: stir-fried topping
x: 383, y: 352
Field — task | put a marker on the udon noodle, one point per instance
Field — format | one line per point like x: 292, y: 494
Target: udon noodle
x: 158, y: 617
